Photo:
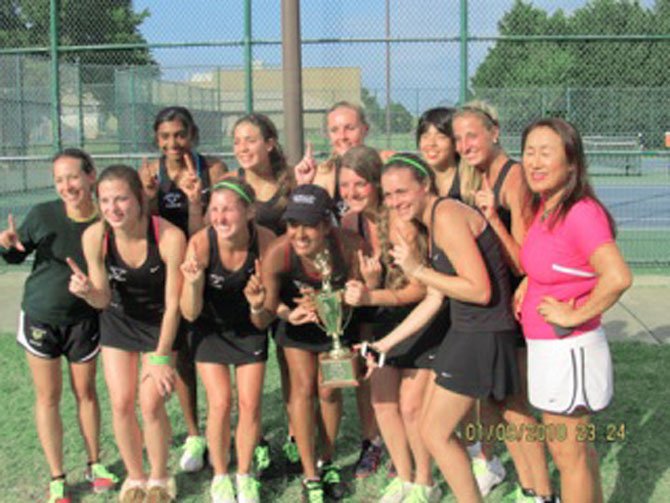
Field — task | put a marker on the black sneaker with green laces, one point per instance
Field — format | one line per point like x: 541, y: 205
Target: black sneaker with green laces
x: 312, y: 491
x: 332, y: 482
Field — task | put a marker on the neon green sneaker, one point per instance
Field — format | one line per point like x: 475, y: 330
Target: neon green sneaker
x: 424, y: 494
x: 101, y: 479
x: 519, y: 496
x: 58, y: 492
x: 262, y: 459
x: 290, y: 449
x: 312, y: 491
x: 333, y: 486
x: 248, y: 489
x: 222, y: 490
x: 396, y: 491
x: 193, y: 458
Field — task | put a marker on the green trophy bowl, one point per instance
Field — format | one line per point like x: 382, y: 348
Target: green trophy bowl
x: 339, y: 366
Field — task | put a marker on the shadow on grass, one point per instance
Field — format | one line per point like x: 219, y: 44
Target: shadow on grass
x: 632, y: 434
x: 634, y: 468
x: 636, y: 458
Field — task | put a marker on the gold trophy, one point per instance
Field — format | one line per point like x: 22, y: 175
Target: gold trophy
x: 339, y: 366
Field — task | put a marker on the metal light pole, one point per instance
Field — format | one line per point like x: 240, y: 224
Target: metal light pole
x: 248, y: 59
x: 464, y: 52
x: 292, y: 80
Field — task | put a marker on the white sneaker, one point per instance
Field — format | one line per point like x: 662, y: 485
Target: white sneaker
x: 488, y: 473
x: 396, y: 491
x: 193, y: 458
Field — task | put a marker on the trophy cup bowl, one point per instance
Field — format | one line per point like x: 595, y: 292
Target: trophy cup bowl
x: 340, y: 365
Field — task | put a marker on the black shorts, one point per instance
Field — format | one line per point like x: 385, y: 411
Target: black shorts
x: 479, y: 364
x: 183, y: 339
x: 78, y: 342
x: 418, y: 351
x: 211, y: 344
x: 308, y: 337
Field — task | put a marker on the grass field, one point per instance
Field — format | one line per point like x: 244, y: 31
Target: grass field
x: 636, y: 468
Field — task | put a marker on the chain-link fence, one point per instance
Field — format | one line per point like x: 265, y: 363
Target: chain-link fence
x: 602, y: 65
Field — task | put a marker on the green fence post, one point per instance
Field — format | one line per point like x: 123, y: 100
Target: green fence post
x: 568, y: 104
x: 463, y: 95
x: 248, y: 59
x: 80, y: 102
x: 133, y: 108
x: 21, y: 104
x: 55, y: 74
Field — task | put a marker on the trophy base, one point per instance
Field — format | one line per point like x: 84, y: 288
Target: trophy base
x: 339, y: 371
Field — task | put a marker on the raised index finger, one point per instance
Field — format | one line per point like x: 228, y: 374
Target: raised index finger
x: 485, y: 183
x: 309, y: 154
x: 257, y: 268
x: 74, y: 267
x: 10, y: 223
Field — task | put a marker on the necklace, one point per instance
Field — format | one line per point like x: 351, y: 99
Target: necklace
x: 548, y: 211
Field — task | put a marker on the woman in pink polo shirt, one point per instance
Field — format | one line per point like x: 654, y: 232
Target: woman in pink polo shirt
x: 575, y: 272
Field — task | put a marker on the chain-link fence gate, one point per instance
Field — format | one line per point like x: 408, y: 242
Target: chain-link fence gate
x: 602, y: 65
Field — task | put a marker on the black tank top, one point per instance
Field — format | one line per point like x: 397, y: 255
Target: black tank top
x: 269, y: 213
x: 467, y: 317
x: 455, y: 189
x: 339, y: 203
x: 138, y: 293
x: 172, y: 202
x: 503, y: 213
x: 294, y: 277
x: 224, y: 300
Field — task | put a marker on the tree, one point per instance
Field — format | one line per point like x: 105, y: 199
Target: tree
x: 402, y: 120
x: 605, y: 86
x: 26, y: 23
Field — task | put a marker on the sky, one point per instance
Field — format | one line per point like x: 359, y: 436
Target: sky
x: 422, y: 74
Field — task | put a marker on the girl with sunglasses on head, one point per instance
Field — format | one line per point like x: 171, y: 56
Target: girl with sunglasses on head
x: 494, y: 183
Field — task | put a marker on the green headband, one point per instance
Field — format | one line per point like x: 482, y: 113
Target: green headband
x: 416, y: 165
x: 234, y: 187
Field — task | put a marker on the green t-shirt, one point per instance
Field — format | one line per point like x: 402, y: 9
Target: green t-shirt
x: 53, y: 236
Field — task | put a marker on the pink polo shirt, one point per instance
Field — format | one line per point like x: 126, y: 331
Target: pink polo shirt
x: 557, y: 264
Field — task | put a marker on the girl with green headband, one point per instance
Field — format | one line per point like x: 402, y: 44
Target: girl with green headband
x: 398, y: 387
x: 477, y: 357
x: 263, y: 166
x: 220, y: 261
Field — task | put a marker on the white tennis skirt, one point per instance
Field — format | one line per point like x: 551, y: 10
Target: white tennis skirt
x: 572, y: 373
